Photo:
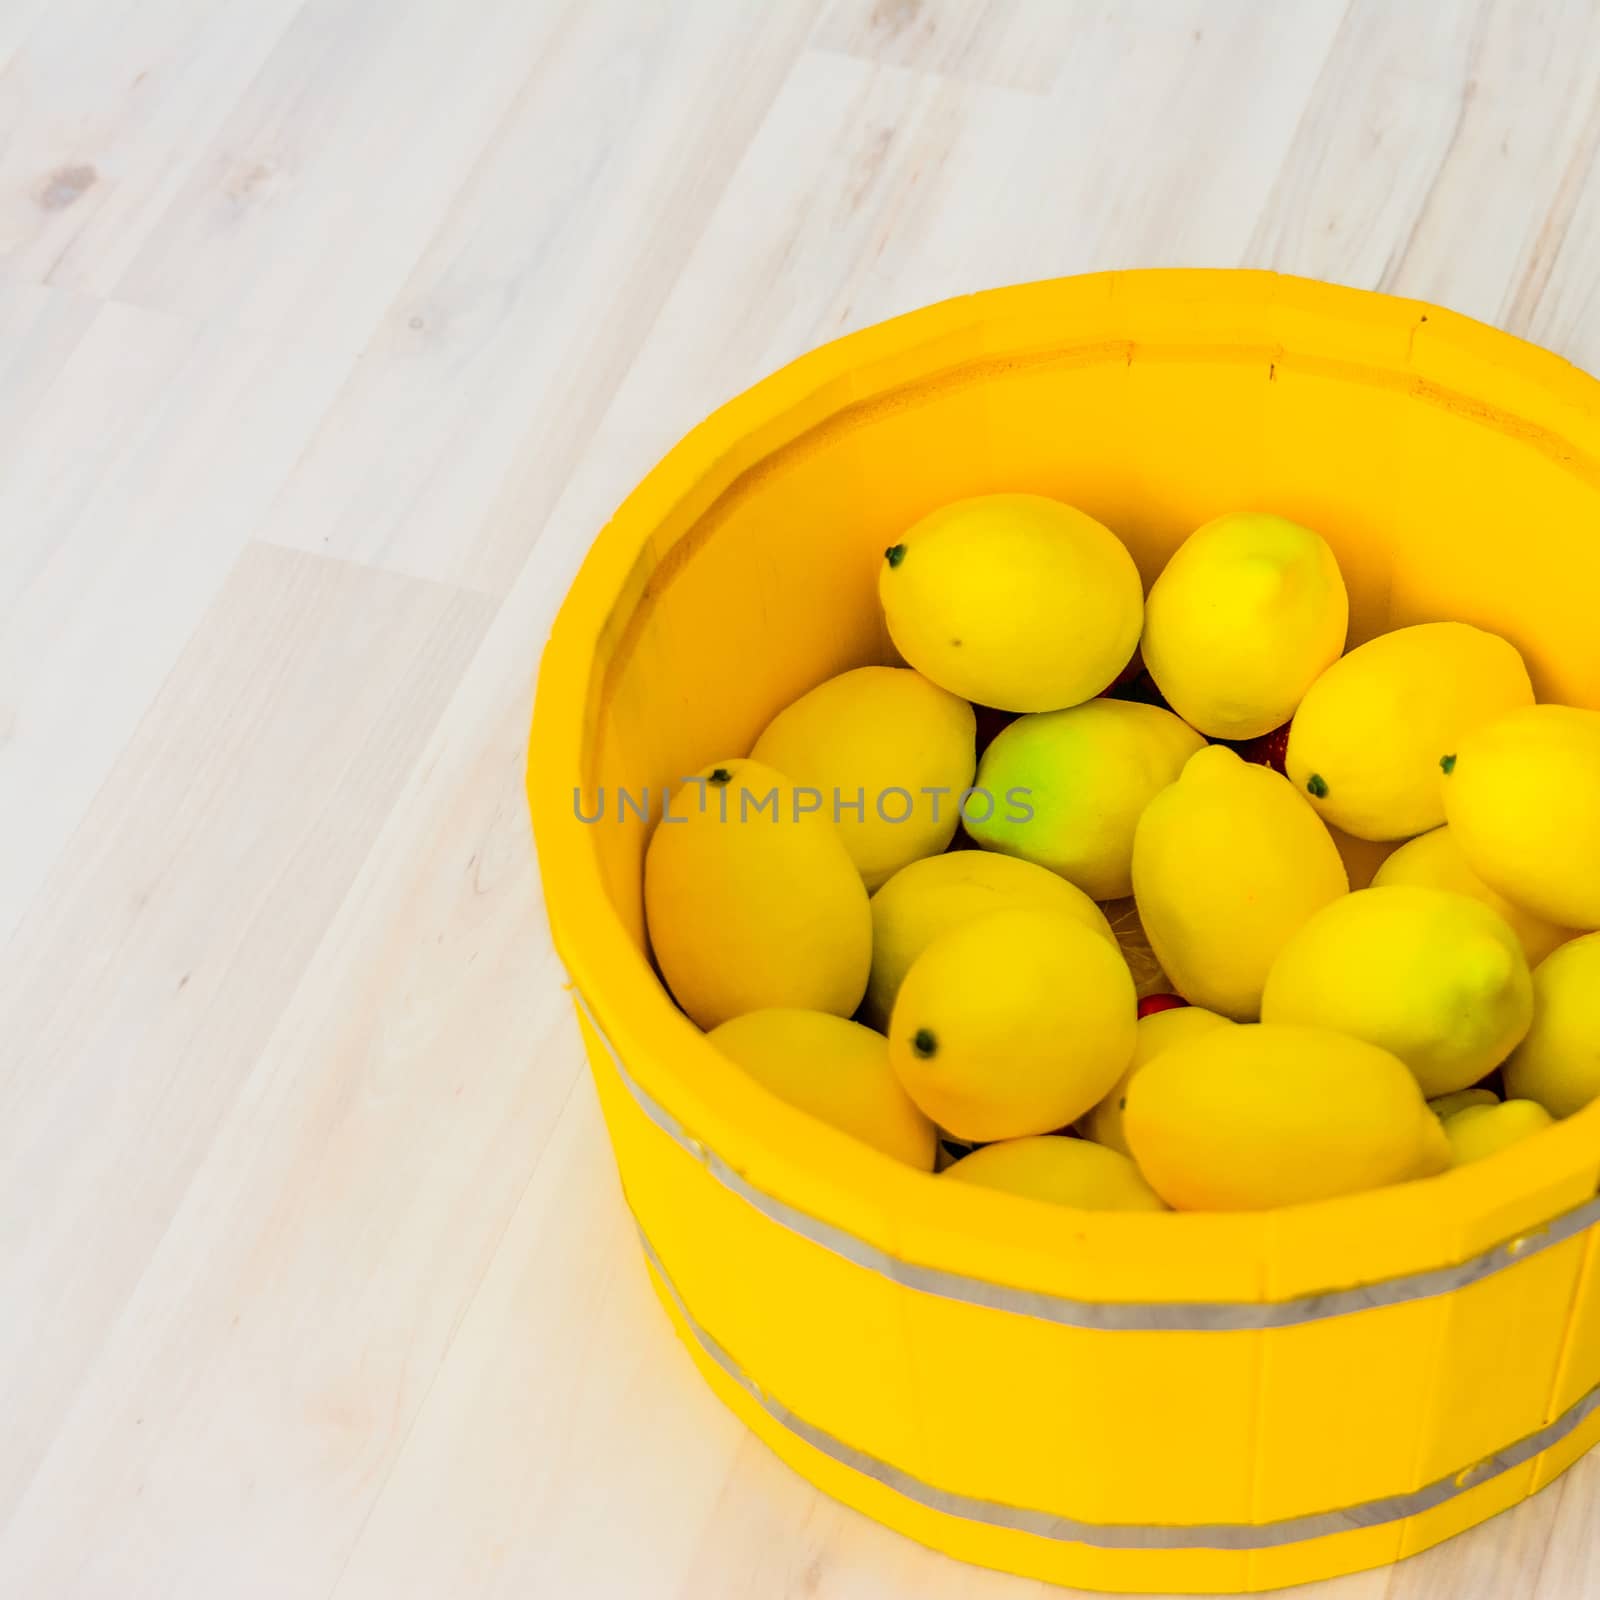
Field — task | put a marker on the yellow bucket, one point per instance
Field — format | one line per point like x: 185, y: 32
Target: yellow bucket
x: 1119, y: 1401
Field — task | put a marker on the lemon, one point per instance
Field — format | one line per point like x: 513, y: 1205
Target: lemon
x: 1523, y: 798
x: 1155, y: 1033
x: 1244, y: 616
x: 931, y: 897
x: 1434, y: 861
x: 1435, y: 978
x: 1247, y: 1118
x: 1013, y: 1024
x: 889, y: 755
x: 1013, y: 600
x: 1065, y: 1172
x: 1558, y: 1064
x: 1479, y: 1131
x: 1445, y: 1106
x: 838, y: 1071
x: 1369, y: 738
x: 1227, y: 864
x: 1086, y: 773
x: 752, y: 901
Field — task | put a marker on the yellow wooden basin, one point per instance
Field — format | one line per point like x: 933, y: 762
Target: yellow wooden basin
x: 1119, y: 1401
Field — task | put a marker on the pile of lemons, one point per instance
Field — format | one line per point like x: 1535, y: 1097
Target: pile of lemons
x: 1210, y: 767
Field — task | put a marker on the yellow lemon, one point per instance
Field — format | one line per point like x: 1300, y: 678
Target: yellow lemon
x: 1558, y: 1064
x: 1479, y: 1131
x: 1435, y: 978
x: 1434, y: 861
x: 1013, y: 1024
x: 1081, y: 779
x: 1247, y: 1118
x: 1013, y: 600
x: 1445, y: 1106
x: 1244, y: 616
x: 1523, y: 798
x: 1155, y: 1033
x: 1227, y: 864
x: 1369, y: 738
x: 888, y: 755
x: 932, y: 896
x: 837, y: 1071
x: 752, y: 901
x: 1065, y: 1172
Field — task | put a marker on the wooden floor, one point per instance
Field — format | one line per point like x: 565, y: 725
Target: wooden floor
x: 330, y: 331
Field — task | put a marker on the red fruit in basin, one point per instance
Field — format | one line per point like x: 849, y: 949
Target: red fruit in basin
x: 1267, y: 751
x: 1153, y: 1003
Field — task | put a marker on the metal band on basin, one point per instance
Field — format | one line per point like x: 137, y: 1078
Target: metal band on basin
x: 1129, y: 1535
x: 1204, y: 1316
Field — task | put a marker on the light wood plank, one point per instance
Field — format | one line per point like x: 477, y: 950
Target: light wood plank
x: 1013, y: 44
x: 323, y: 186
x: 108, y: 107
x: 1568, y: 1567
x: 16, y: 18
x: 498, y: 1448
x: 141, y: 454
x: 1375, y: 134
x: 39, y: 330
x: 1558, y: 299
x: 136, y: 998
x: 502, y: 349
x: 1435, y: 148
x: 1164, y: 135
x: 1528, y: 120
